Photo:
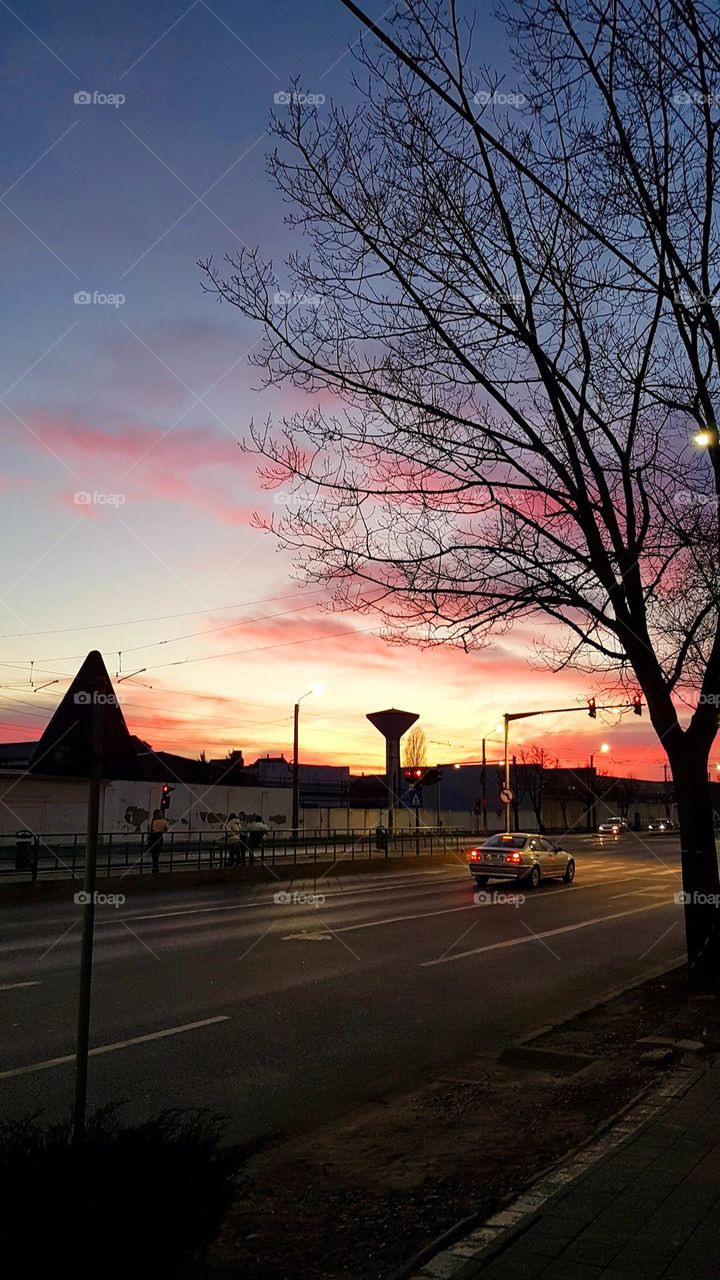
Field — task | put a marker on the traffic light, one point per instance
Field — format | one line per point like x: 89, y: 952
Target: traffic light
x: 165, y: 797
x: 637, y: 704
x: 415, y: 775
x: 422, y: 775
x: 592, y: 709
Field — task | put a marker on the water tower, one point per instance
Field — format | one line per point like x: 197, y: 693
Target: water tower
x: 392, y: 725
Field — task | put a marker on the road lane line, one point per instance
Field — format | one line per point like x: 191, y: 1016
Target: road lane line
x: 112, y: 1048
x: 637, y: 893
x: 266, y: 902
x: 500, y: 885
x: 509, y: 885
x: 548, y: 933
x: 13, y: 986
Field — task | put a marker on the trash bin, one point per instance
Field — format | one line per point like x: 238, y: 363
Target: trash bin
x: 24, y: 841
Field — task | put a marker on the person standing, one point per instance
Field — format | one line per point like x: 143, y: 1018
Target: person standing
x: 158, y: 827
x: 256, y: 832
x: 233, y: 839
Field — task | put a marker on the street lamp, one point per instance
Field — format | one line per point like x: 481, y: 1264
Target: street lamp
x: 601, y: 750
x: 703, y: 439
x: 316, y: 689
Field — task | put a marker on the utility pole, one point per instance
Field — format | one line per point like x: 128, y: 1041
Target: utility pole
x: 88, y: 930
x: 508, y: 803
x: 483, y: 790
x: 296, y: 772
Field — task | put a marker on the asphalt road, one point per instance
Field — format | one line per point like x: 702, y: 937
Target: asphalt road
x: 281, y: 1015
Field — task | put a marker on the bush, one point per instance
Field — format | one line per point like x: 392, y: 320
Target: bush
x: 133, y: 1201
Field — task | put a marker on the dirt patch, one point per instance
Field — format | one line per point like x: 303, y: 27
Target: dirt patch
x: 358, y: 1197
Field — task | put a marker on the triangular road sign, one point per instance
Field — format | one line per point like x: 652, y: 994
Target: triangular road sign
x: 64, y: 748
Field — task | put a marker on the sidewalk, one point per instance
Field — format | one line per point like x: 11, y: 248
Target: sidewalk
x: 642, y: 1203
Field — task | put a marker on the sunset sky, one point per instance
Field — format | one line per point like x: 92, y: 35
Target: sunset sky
x: 140, y: 407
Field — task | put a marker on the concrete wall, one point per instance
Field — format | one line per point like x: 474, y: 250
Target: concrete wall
x: 58, y: 806
x: 323, y: 820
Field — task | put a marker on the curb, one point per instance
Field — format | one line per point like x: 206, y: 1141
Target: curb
x: 475, y: 1240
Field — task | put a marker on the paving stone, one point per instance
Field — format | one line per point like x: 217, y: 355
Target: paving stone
x: 571, y: 1270
x: 593, y: 1249
x: 691, y: 1270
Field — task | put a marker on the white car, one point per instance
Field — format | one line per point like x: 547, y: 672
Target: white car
x: 613, y: 826
x: 520, y: 856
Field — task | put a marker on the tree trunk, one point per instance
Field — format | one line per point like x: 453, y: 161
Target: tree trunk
x: 700, y: 880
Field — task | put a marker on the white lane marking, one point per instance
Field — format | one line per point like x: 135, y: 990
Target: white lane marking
x: 266, y: 902
x: 548, y: 933
x: 448, y: 911
x: 112, y: 1048
x: 577, y: 885
x: 637, y: 893
x: 13, y: 986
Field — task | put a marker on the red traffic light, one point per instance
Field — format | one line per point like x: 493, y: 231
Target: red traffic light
x: 414, y: 775
x: 165, y: 796
x: 592, y: 709
x: 637, y: 704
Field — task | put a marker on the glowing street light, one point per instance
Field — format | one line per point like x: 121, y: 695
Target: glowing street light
x: 601, y: 750
x: 703, y: 439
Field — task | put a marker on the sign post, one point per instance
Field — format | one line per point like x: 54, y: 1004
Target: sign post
x: 88, y: 930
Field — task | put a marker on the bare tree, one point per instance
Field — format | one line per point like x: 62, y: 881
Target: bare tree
x: 621, y: 793
x: 536, y: 762
x: 506, y: 325
x: 415, y: 748
x: 565, y: 786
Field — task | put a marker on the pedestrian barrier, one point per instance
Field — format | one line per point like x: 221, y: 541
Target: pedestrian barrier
x: 30, y: 856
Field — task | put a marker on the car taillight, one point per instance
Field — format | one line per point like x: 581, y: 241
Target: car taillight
x: 473, y: 854
x: 513, y: 857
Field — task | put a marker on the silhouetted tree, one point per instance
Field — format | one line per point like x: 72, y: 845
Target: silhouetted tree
x: 415, y: 748
x: 506, y: 324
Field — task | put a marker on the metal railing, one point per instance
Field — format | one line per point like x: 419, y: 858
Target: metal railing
x: 55, y: 856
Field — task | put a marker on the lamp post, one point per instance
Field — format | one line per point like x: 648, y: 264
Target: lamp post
x: 483, y: 781
x: 601, y: 750
x: 296, y: 762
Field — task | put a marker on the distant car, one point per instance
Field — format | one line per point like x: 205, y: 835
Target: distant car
x: 661, y: 824
x: 519, y: 856
x: 613, y: 826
